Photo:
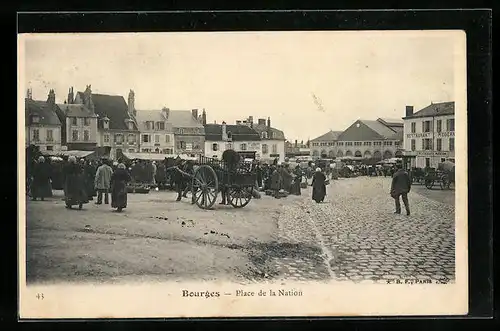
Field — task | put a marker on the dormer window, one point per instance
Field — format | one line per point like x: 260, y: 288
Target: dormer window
x: 105, y: 123
x: 229, y: 136
x: 263, y: 135
x: 35, y: 119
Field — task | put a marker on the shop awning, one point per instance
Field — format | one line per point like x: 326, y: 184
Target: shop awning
x: 156, y: 156
x: 79, y: 154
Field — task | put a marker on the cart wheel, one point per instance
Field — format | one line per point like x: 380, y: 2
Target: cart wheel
x: 239, y: 197
x: 205, y: 187
x: 429, y: 183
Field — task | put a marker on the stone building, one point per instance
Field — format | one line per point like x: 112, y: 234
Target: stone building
x: 157, y: 134
x: 272, y: 139
x: 240, y: 138
x: 429, y: 134
x: 116, y: 124
x: 42, y: 125
x: 325, y: 146
x: 189, y: 132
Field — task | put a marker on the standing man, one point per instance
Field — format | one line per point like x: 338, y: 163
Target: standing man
x: 401, y: 185
x: 102, y: 182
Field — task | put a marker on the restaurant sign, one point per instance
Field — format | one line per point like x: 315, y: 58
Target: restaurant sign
x: 431, y: 153
x: 419, y: 135
x: 446, y: 134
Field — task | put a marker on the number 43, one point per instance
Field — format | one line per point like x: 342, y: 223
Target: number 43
x: 39, y: 296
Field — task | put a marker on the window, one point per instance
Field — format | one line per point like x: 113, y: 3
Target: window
x: 331, y: 144
x: 229, y: 135
x: 450, y: 124
x: 74, y: 121
x: 167, y: 138
x: 215, y: 147
x: 36, y: 135
x: 35, y: 119
x: 243, y: 147
x: 50, y: 136
x: 340, y: 143
x: 426, y: 144
x: 314, y: 144
x: 439, y: 144
x: 377, y: 143
x: 106, y: 138
x: 157, y: 138
x: 452, y: 144
x: 168, y: 151
x: 427, y: 162
x: 75, y: 135
x: 275, y: 148
x: 413, y: 127
x: 131, y: 138
x: 50, y: 148
x: 263, y: 135
x: 131, y: 150
x: 146, y: 150
x: 443, y: 159
x: 118, y: 138
x: 181, y: 131
x: 438, y: 125
x: 357, y: 143
x: 264, y: 149
x: 145, y: 138
x: 426, y: 126
x: 182, y: 144
x: 413, y: 147
x: 396, y: 143
x: 86, y: 135
x: 86, y: 121
x: 367, y: 143
x: 160, y: 125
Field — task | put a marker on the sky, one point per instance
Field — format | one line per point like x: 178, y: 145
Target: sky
x: 307, y: 82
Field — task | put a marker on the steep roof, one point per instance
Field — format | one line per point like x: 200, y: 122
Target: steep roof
x: 391, y: 121
x: 329, y: 136
x: 76, y: 110
x: 363, y: 130
x: 213, y: 132
x: 41, y: 109
x: 276, y: 134
x: 142, y: 116
x: 183, y: 119
x: 112, y: 106
x: 435, y: 109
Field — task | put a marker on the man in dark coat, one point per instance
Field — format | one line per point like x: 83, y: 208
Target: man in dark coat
x: 319, y: 186
x: 401, y: 185
x: 276, y: 182
x: 41, y: 187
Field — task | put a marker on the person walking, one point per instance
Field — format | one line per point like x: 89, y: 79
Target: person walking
x: 400, y: 186
x: 75, y: 193
x: 319, y: 186
x: 102, y: 182
x: 119, y: 180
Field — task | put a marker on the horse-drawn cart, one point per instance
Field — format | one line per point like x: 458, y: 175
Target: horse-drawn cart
x: 444, y: 175
x: 212, y: 176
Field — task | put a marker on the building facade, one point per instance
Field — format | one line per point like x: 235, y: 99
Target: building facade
x: 325, y: 146
x: 429, y: 134
x: 79, y: 130
x: 240, y: 138
x: 157, y: 135
x: 368, y: 139
x: 42, y: 126
x: 116, y: 125
x: 296, y: 149
x: 189, y: 132
x: 272, y: 139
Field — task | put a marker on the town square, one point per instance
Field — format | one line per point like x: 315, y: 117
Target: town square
x: 161, y: 162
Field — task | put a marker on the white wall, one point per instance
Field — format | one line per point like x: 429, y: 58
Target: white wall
x: 42, y: 133
x: 280, y: 149
x: 81, y: 128
x: 251, y: 146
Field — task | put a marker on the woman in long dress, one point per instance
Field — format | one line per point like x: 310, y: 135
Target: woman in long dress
x: 119, y: 181
x: 41, y: 187
x: 75, y: 193
x: 319, y: 186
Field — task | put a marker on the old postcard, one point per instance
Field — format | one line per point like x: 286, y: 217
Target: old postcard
x: 236, y: 174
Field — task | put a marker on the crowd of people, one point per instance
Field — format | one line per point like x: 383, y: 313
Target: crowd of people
x: 82, y: 180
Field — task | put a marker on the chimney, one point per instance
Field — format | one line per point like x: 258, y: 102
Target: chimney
x: 268, y: 122
x: 409, y: 110
x: 262, y: 121
x: 238, y: 122
x: 51, y: 98
x: 29, y: 94
x: 203, y: 117
x: 165, y: 112
x: 131, y: 103
x: 87, y: 96
x: 250, y: 121
x: 224, y: 131
x: 296, y: 143
x: 195, y: 113
x: 71, y: 97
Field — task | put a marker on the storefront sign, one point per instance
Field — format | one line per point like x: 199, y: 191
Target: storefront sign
x: 419, y: 135
x: 431, y: 153
x: 274, y: 155
x: 189, y: 147
x: 446, y: 134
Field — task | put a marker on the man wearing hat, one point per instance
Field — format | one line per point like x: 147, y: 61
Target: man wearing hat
x: 102, y: 181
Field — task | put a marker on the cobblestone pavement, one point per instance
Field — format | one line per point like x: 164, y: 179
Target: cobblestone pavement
x: 352, y: 236
x: 362, y: 240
